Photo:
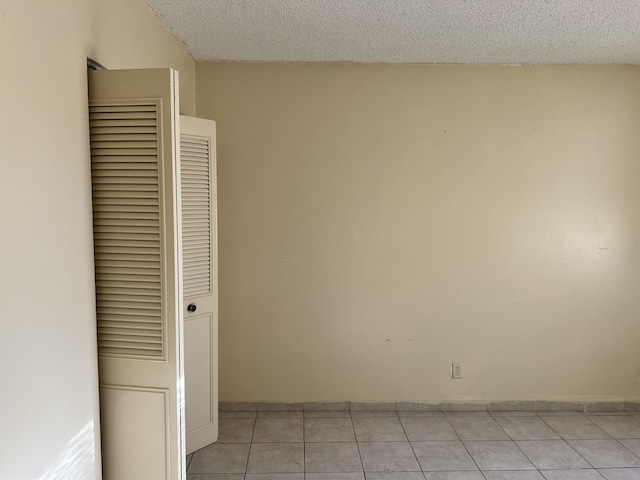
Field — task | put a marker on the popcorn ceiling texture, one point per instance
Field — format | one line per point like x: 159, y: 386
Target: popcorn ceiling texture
x: 408, y: 31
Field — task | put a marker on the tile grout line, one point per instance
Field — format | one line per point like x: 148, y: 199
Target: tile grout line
x: 411, y: 445
x: 566, y: 441
x: 617, y: 439
x: 253, y: 431
x: 364, y: 474
x: 625, y: 447
x: 522, y: 451
x: 571, y: 446
x: 425, y: 476
x: 525, y: 440
x: 465, y: 447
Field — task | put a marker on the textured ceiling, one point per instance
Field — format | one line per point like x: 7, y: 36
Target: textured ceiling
x: 407, y: 31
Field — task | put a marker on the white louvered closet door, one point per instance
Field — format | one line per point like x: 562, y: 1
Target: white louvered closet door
x: 199, y: 252
x: 133, y: 116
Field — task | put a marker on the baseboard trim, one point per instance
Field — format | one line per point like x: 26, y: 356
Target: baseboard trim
x: 517, y: 405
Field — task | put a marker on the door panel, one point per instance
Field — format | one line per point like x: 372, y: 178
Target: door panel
x: 200, y: 270
x: 150, y: 438
x: 133, y: 116
x: 201, y: 340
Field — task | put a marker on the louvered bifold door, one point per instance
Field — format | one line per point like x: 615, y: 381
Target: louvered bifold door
x: 200, y: 273
x: 126, y: 225
x: 137, y: 242
x: 197, y: 248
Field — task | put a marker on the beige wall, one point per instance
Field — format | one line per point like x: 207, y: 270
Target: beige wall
x: 48, y: 404
x: 380, y: 222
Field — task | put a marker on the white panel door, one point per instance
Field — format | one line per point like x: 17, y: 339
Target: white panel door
x: 200, y: 279
x: 137, y: 238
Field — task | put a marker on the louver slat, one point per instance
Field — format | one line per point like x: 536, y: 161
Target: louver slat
x: 126, y: 219
x: 196, y: 215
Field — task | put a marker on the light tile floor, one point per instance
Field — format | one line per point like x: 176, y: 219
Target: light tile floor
x: 421, y: 446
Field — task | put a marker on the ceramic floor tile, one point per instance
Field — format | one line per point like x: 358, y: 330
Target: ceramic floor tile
x: 407, y: 407
x: 276, y: 458
x: 514, y: 475
x: 482, y: 414
x: 618, y: 426
x: 609, y: 412
x: 424, y: 429
x: 326, y: 406
x: 215, y: 476
x: 276, y: 430
x: 605, y: 453
x: 589, y: 474
x: 562, y: 413
x: 280, y: 415
x: 224, y: 415
x: 279, y: 407
x: 632, y: 444
x: 542, y: 406
x: 526, y: 428
x: 443, y: 456
x: 575, y: 427
x: 552, y: 455
x: 373, y: 414
x: 453, y: 476
x: 274, y: 476
x: 621, y: 473
x: 372, y: 406
x: 384, y: 456
x: 395, y: 476
x: 219, y: 458
x: 332, y: 457
x: 464, y: 407
x: 379, y: 429
x: 514, y: 406
x: 328, y: 430
x: 327, y: 414
x: 331, y: 451
x: 334, y: 476
x: 498, y: 455
x: 237, y: 407
x: 235, y: 430
x: 513, y: 413
x: 420, y: 414
x: 472, y: 428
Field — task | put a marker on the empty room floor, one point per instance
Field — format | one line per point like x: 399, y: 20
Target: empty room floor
x: 421, y: 446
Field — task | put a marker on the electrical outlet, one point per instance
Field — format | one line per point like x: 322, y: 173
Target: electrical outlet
x: 456, y: 370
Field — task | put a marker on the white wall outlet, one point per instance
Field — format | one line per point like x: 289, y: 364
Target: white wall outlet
x: 456, y: 370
